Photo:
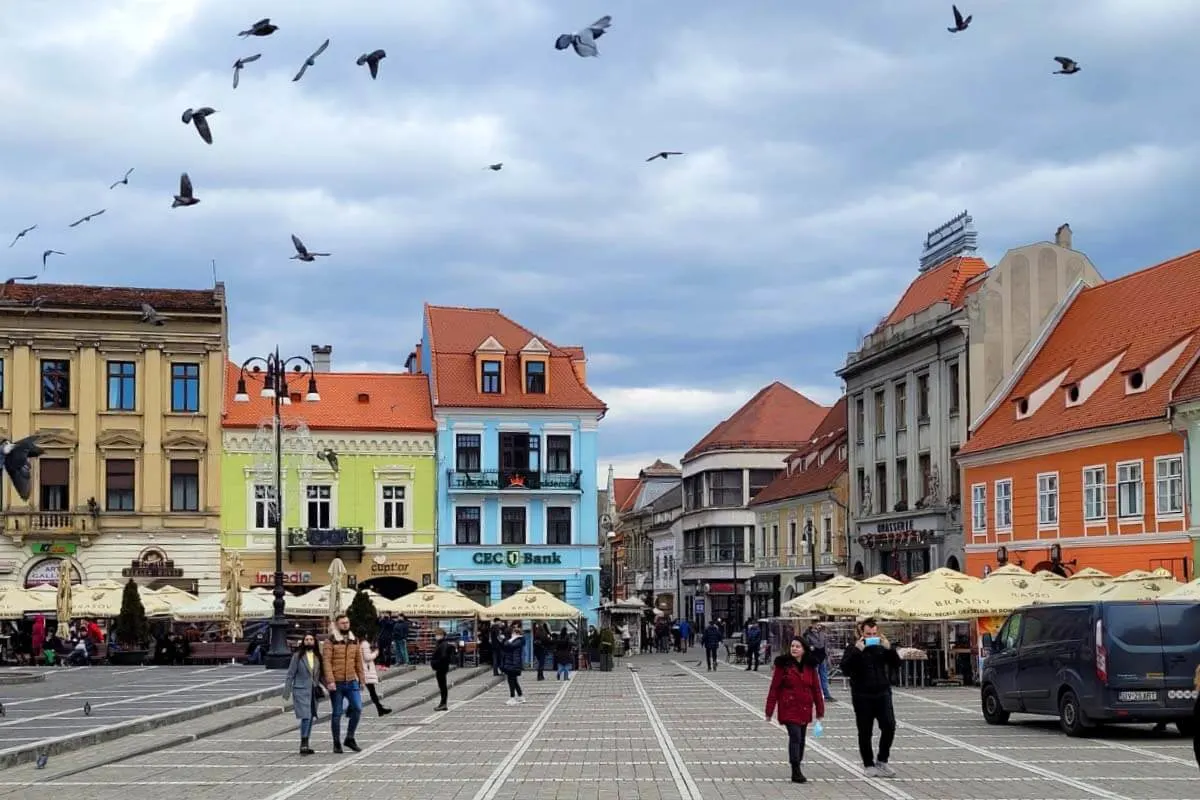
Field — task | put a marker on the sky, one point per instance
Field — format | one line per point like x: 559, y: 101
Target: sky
x: 822, y: 141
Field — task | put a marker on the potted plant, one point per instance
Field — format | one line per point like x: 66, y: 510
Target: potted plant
x: 608, y: 643
x: 132, y: 629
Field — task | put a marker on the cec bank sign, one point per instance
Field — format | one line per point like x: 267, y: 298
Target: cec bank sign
x: 515, y: 558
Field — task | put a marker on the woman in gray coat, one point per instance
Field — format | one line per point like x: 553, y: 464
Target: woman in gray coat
x: 303, y: 685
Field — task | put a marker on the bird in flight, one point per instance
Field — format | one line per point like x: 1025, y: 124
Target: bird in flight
x: 261, y: 28
x: 499, y: 165
x: 302, y: 253
x: 88, y: 218
x: 664, y: 155
x: 329, y: 457
x: 16, y: 457
x: 185, y: 196
x: 1069, y: 66
x: 47, y: 253
x: 151, y: 316
x: 960, y: 22
x: 199, y: 118
x: 311, y: 60
x: 372, y: 60
x: 21, y: 235
x: 584, y: 42
x: 124, y: 180
x: 240, y: 64
x: 35, y: 305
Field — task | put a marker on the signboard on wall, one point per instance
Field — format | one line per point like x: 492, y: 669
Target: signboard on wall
x: 53, y: 548
x: 46, y: 572
x: 265, y: 578
x: 516, y: 558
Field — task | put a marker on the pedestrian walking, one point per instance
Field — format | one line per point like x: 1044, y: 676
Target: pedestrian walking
x: 400, y: 630
x: 513, y: 664
x: 440, y: 660
x: 711, y: 640
x: 541, y: 648
x: 626, y: 639
x: 685, y: 635
x: 562, y: 656
x: 753, y: 642
x: 795, y: 691
x: 303, y: 686
x: 869, y: 664
x: 818, y: 648
x: 498, y: 634
x: 342, y: 665
x: 387, y: 639
x: 371, y: 676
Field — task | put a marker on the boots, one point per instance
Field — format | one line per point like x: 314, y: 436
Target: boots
x: 353, y: 745
x: 797, y: 775
x: 305, y: 750
x: 337, y: 745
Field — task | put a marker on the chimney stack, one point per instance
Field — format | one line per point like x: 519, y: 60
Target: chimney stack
x: 1062, y: 236
x: 322, y: 357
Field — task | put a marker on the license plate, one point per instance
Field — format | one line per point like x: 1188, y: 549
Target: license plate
x: 1138, y: 697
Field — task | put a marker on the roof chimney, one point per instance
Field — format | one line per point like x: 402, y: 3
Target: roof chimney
x: 1062, y: 236
x: 322, y: 357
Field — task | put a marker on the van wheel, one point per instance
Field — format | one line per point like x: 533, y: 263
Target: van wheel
x: 1186, y: 727
x: 993, y: 712
x: 1070, y: 716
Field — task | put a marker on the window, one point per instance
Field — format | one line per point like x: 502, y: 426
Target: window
x: 1004, y: 505
x: 185, y: 485
x: 774, y: 542
x: 860, y: 420
x: 392, y: 498
x: 881, y: 487
x: 264, y: 506
x: 1, y: 383
x: 923, y: 398
x: 318, y: 506
x: 901, y: 406
x: 54, y: 482
x: 558, y: 525
x: 489, y: 378
x: 479, y: 591
x: 535, y: 377
x: 925, y: 468
x: 864, y: 492
x: 952, y: 379
x: 725, y: 488
x: 556, y: 588
x: 693, y: 492
x: 56, y: 383
x: 509, y: 588
x: 1094, y: 497
x: 466, y: 524
x: 725, y: 544
x: 1168, y: 485
x: 902, y: 481
x: 827, y: 534
x: 979, y: 508
x: 185, y: 388
x: 512, y: 525
x: 880, y: 410
x: 792, y: 538
x: 520, y: 452
x: 558, y: 453
x: 761, y: 479
x: 955, y: 476
x: 1047, y: 490
x: 468, y: 452
x: 1129, y: 489
x: 122, y: 386
x: 118, y: 484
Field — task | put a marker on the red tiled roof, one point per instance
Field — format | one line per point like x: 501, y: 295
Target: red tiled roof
x: 350, y: 401
x: 945, y: 283
x: 625, y: 492
x: 1188, y: 387
x: 115, y: 298
x: 456, y: 333
x: 778, y: 417
x: 795, y: 482
x: 1138, y: 317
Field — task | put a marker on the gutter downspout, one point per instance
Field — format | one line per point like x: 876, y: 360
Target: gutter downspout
x: 1187, y: 484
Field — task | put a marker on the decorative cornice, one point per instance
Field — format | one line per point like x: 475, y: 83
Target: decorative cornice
x: 57, y: 439
x: 185, y: 440
x: 1065, y: 442
x: 415, y: 444
x: 116, y: 439
x: 394, y: 470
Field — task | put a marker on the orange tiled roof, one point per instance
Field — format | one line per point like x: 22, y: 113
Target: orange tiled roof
x: 456, y: 333
x: 116, y: 298
x: 625, y: 492
x: 1137, y: 317
x: 795, y: 483
x: 945, y: 283
x: 392, y: 402
x: 778, y: 417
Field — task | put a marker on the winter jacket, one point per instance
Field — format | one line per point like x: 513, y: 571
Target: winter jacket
x: 816, y: 643
x: 443, y: 655
x: 562, y: 651
x: 400, y: 630
x: 753, y: 637
x: 341, y: 659
x: 685, y: 630
x: 712, y: 636
x: 369, y: 654
x: 870, y: 669
x: 387, y: 629
x: 512, y: 661
x: 795, y: 690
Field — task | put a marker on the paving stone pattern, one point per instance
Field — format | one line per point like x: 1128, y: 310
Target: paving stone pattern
x: 666, y: 730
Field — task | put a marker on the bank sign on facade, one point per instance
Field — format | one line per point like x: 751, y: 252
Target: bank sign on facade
x: 515, y: 558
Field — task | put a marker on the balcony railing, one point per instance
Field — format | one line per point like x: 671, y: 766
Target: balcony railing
x: 23, y: 523
x: 512, y: 480
x: 317, y: 540
x: 800, y: 561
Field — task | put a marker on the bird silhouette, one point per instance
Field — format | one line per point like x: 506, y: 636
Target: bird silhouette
x: 21, y: 235
x: 311, y: 60
x: 17, y: 456
x: 88, y: 218
x: 35, y: 305
x: 150, y: 316
x: 329, y: 457
x: 499, y: 165
x: 87, y: 709
x: 261, y: 28
x: 960, y: 22
x: 199, y: 118
x: 1069, y: 66
x: 240, y: 64
x: 302, y: 253
x: 185, y: 196
x: 372, y: 60
x: 124, y: 180
x: 584, y: 42
x: 664, y: 155
x: 47, y: 253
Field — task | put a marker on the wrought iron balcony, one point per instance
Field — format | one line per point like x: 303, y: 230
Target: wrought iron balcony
x: 512, y: 480
x: 329, y: 540
x: 67, y: 523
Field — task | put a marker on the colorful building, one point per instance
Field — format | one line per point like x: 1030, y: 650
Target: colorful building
x: 516, y: 430
x: 376, y: 511
x: 645, y: 534
x: 1081, y: 460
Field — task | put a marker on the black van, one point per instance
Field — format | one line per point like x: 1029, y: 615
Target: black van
x: 1094, y: 663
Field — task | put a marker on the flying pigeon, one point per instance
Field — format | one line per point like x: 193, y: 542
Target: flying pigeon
x: 3, y: 710
x: 584, y: 42
x: 35, y: 305
x: 151, y: 316
x: 16, y: 457
x: 372, y: 60
x: 47, y: 253
x: 124, y: 180
x: 664, y: 155
x: 329, y: 457
x: 87, y: 709
x: 240, y: 64
x: 88, y: 218
x: 499, y: 165
x: 21, y: 235
x: 302, y: 253
x: 1069, y: 66
x: 311, y: 60
x: 41, y: 760
x: 185, y: 196
x: 261, y: 28
x: 199, y: 118
x: 960, y: 22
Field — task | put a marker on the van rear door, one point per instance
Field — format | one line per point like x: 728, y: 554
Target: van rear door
x: 1180, y: 625
x: 1133, y: 661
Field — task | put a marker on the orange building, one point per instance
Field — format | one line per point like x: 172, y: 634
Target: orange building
x: 1078, y: 460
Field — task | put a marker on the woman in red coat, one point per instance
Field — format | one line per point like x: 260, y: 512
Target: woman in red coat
x: 795, y: 691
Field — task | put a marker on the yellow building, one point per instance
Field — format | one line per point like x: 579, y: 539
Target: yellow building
x: 129, y: 415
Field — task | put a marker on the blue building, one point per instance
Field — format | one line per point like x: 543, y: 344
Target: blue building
x: 516, y: 443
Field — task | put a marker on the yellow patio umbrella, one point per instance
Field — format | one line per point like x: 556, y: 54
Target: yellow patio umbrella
x: 943, y: 594
x: 62, y: 608
x: 102, y: 600
x: 862, y: 598
x: 233, y: 596
x: 533, y: 603
x: 254, y: 606
x: 803, y: 604
x: 1137, y: 585
x: 1046, y: 576
x: 1019, y: 584
x: 1188, y: 591
x: 318, y: 602
x: 434, y: 601
x: 174, y: 596
x: 16, y: 602
x: 1083, y: 585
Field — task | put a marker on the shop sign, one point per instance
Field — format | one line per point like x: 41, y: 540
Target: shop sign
x: 267, y: 578
x: 698, y: 606
x: 46, y: 571
x: 152, y: 563
x: 53, y: 548
x: 390, y: 568
x: 515, y: 558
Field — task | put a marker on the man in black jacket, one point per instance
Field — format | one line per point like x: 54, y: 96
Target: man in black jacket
x: 869, y: 663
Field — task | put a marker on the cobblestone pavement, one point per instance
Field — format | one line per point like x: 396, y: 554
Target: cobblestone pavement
x: 666, y: 730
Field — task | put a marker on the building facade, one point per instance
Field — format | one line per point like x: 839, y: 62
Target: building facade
x: 636, y: 530
x: 802, y: 517
x: 1081, y: 459
x: 738, y: 458
x: 516, y: 440
x: 376, y: 511
x: 129, y: 416
x: 666, y: 539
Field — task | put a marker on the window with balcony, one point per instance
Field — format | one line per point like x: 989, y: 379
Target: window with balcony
x: 1129, y: 489
x: 118, y: 484
x: 318, y: 506
x: 902, y: 482
x: 185, y: 484
x: 512, y: 525
x: 264, y: 506
x: 923, y: 398
x: 558, y: 525
x: 1168, y: 486
x: 535, y: 377
x: 726, y: 544
x: 1047, y: 493
x: 761, y: 479
x: 725, y: 488
x: 520, y: 452
x: 1095, y: 497
x: 54, y: 484
x: 489, y: 377
x: 953, y: 388
x: 468, y: 452
x: 467, y: 524
x: 56, y: 384
x: 185, y: 388
x: 391, y: 500
x: 901, y: 406
x: 122, y: 386
x: 860, y: 419
x: 880, y: 489
x: 558, y: 453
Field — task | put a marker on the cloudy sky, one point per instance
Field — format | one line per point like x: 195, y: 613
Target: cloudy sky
x: 822, y: 143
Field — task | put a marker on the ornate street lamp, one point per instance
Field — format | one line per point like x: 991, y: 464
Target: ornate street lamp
x: 273, y: 372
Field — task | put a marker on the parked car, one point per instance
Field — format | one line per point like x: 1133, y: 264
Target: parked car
x: 1094, y: 663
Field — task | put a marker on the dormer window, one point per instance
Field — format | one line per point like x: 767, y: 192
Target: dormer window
x: 1022, y: 407
x: 489, y: 377
x: 1135, y: 382
x: 1073, y: 394
x: 535, y: 377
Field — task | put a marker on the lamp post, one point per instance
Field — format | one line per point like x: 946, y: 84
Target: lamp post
x: 273, y: 369
x: 812, y: 549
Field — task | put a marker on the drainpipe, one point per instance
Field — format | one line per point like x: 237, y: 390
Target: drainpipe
x: 1187, y: 484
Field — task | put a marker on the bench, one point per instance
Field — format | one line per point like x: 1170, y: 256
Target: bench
x: 216, y: 652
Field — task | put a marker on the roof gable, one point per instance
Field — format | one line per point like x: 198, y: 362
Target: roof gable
x: 490, y: 345
x: 945, y: 283
x: 824, y: 460
x: 776, y: 418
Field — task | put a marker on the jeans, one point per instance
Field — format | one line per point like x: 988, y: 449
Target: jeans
x: 751, y: 657
x: 796, y: 734
x: 400, y: 647
x: 539, y: 656
x: 496, y: 656
x: 306, y: 728
x: 256, y: 656
x: 711, y: 654
x: 564, y: 671
x: 823, y: 674
x: 868, y: 710
x: 345, y: 692
x: 443, y: 687
x: 514, y: 685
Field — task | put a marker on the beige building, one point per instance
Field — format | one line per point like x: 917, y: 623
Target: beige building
x: 129, y: 415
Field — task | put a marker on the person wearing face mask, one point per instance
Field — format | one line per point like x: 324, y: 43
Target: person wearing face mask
x: 302, y: 686
x: 344, y: 674
x: 869, y: 664
x: 795, y: 691
x: 443, y: 656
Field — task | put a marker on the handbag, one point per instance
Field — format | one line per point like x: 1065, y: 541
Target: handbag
x: 318, y: 693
